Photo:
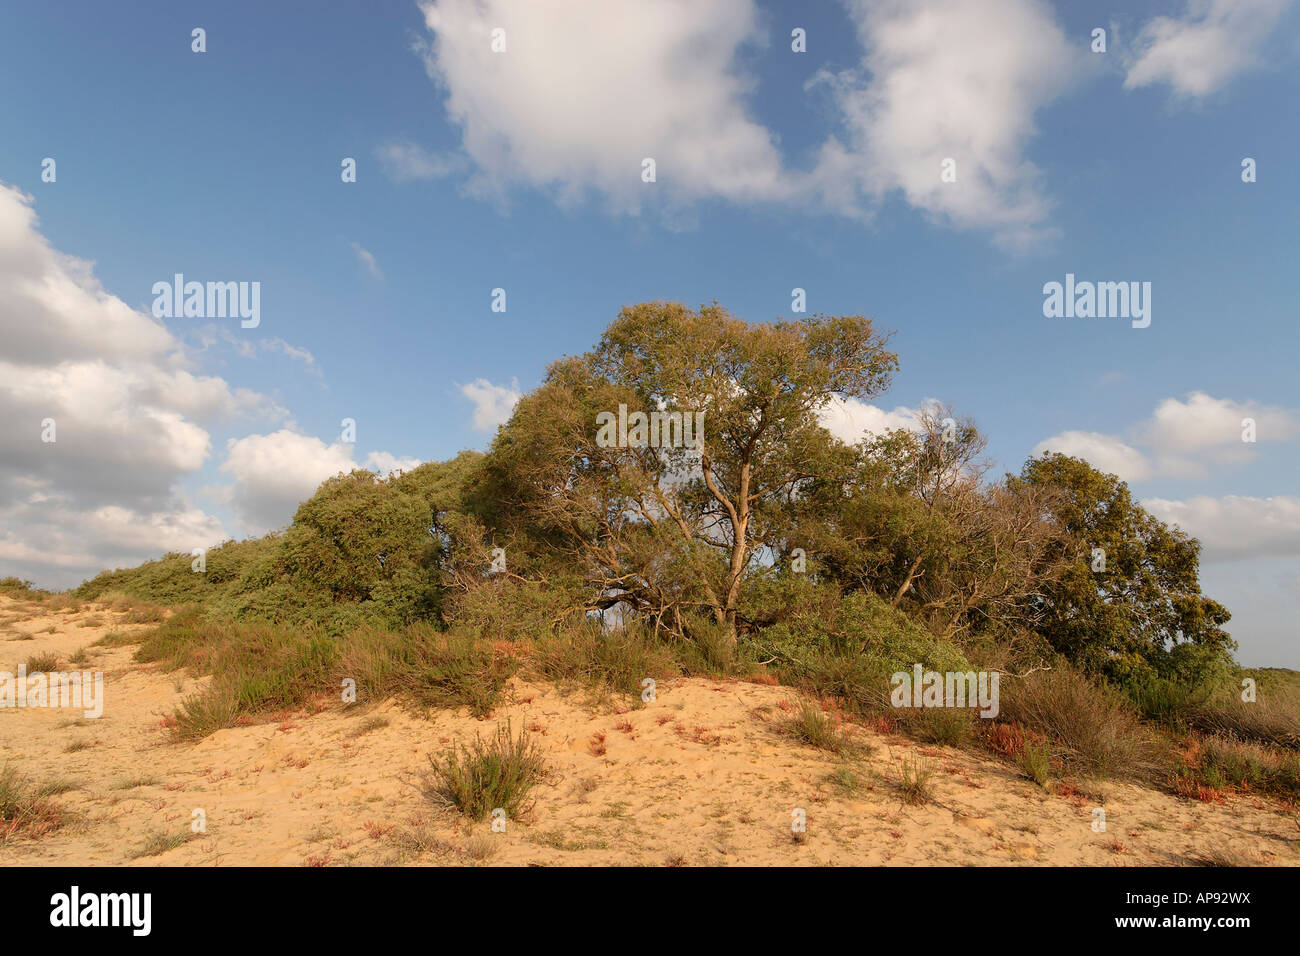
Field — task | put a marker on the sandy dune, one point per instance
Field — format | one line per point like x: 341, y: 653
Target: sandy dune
x: 702, y: 775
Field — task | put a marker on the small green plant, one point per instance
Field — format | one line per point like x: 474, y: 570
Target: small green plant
x: 1036, y: 763
x: 812, y: 726
x: 915, y: 777
x: 25, y: 808
x: 947, y: 726
x: 847, y: 780
x: 42, y: 663
x: 162, y: 841
x: 486, y: 775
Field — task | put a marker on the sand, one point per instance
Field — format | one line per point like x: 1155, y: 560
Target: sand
x: 703, y: 775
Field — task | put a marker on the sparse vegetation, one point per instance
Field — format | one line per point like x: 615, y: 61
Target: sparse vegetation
x: 915, y: 778
x: 498, y: 773
x: 813, y: 726
x: 42, y: 663
x: 163, y: 841
x: 1036, y: 763
x: 26, y: 810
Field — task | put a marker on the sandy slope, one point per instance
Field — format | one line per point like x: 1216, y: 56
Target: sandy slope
x: 703, y: 776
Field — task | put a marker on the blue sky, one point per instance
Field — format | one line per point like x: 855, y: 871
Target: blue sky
x: 521, y: 170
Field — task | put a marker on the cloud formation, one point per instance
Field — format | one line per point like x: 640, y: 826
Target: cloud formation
x: 114, y: 390
x: 492, y: 403
x: 586, y: 90
x: 1183, y: 438
x: 1235, y: 527
x: 948, y: 79
x: 1198, y: 53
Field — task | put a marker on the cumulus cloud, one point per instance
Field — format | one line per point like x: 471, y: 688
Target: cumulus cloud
x: 383, y: 463
x: 587, y: 89
x: 948, y: 79
x: 47, y: 540
x: 1235, y: 526
x: 492, y: 403
x: 1198, y: 53
x: 1187, y: 435
x: 128, y: 415
x: 1183, y: 438
x: 274, y: 473
x: 1104, y: 452
x: 114, y: 389
x: 851, y: 419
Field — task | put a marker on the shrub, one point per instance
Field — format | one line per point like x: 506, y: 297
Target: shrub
x: 617, y: 659
x: 1219, y: 762
x: 813, y: 726
x: 25, y: 808
x: 850, y: 647
x: 42, y: 663
x: 915, y: 777
x: 948, y: 726
x: 486, y: 775
x: 1094, y: 727
x: 1036, y: 763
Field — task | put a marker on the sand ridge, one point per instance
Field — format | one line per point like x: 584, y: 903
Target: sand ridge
x: 703, y: 775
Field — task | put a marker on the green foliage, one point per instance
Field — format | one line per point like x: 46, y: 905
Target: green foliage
x: 1036, y: 763
x: 860, y: 625
x: 358, y: 539
x: 615, y: 659
x: 1094, y: 728
x: 487, y: 775
x: 630, y: 562
x: 1127, y: 621
x: 259, y: 668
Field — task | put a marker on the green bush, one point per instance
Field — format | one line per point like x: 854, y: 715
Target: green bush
x: 487, y: 775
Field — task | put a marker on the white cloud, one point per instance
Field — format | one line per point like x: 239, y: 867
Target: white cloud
x: 274, y: 473
x: 587, y: 89
x: 1183, y: 438
x: 850, y: 419
x: 492, y: 403
x: 1234, y: 526
x: 406, y: 162
x: 129, y: 415
x: 1104, y: 452
x: 130, y: 418
x: 47, y: 540
x: 1188, y: 436
x: 1200, y: 52
x: 959, y: 79
x: 383, y: 463
x: 367, y: 259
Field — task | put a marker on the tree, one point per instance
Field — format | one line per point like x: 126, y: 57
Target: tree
x: 671, y: 531
x: 358, y: 538
x: 916, y: 525
x: 1130, y: 594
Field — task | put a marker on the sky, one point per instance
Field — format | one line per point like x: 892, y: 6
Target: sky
x: 932, y: 164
